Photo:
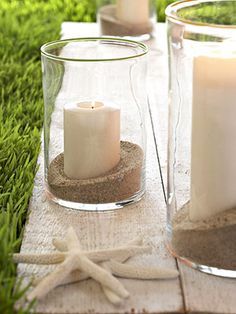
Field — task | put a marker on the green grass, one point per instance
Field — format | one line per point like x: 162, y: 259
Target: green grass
x: 161, y: 6
x: 212, y: 13
x: 24, y: 26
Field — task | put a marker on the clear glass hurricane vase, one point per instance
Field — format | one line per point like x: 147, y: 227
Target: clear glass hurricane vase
x: 202, y: 134
x: 94, y: 126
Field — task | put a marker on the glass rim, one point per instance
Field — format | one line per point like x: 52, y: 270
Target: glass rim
x: 87, y: 39
x: 172, y: 13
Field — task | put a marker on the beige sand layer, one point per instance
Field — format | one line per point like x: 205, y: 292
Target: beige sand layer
x: 209, y: 242
x: 110, y: 25
x: 119, y: 184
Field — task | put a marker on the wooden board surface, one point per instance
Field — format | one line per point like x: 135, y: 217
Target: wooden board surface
x: 193, y: 292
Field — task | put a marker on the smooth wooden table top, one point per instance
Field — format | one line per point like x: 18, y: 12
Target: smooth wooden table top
x: 192, y: 292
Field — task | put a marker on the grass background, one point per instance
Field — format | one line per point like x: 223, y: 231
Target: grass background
x: 24, y: 26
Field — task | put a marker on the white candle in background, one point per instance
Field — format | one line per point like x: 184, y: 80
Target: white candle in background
x: 91, y: 139
x: 133, y: 11
x: 213, y: 169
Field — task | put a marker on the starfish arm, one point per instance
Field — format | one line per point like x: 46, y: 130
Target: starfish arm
x: 44, y: 259
x: 73, y: 277
x: 136, y: 241
x: 133, y: 249
x: 101, y: 275
x: 72, y: 240
x: 111, y: 296
x: 60, y: 245
x: 140, y: 272
x: 121, y: 254
x: 126, y: 255
x: 52, y: 280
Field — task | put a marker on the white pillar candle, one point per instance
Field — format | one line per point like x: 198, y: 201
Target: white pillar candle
x: 213, y: 162
x: 91, y: 139
x: 133, y: 11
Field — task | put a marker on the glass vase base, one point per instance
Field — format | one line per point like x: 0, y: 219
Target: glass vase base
x: 215, y: 271
x: 143, y: 37
x: 102, y: 207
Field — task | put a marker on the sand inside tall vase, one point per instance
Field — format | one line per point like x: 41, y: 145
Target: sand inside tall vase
x: 207, y: 242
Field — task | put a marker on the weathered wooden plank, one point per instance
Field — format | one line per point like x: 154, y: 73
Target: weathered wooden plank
x: 202, y: 293
x: 97, y: 230
x: 206, y: 293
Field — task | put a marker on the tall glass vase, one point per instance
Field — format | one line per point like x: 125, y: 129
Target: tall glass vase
x: 94, y: 122
x: 202, y: 134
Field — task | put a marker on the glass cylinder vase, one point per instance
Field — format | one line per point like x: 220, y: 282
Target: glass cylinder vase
x: 135, y: 18
x: 202, y: 134
x: 94, y: 122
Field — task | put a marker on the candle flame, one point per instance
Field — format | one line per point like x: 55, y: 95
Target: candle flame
x: 93, y: 104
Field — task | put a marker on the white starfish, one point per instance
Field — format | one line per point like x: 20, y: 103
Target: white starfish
x: 76, y: 265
